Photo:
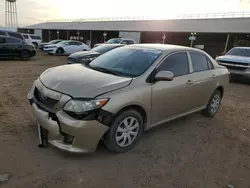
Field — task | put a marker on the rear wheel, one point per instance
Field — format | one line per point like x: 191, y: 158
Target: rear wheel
x: 25, y: 55
x: 124, y: 131
x: 60, y: 51
x: 213, y: 104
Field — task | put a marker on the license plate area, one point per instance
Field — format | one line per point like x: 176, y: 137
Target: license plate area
x: 43, y: 135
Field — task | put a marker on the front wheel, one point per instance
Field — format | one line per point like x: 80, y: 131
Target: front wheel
x: 124, y: 131
x: 213, y: 104
x: 25, y: 55
x: 59, y: 51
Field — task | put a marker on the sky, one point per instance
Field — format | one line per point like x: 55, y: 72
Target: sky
x: 35, y: 11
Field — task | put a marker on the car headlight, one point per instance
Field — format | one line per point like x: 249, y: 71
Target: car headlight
x: 81, y: 106
x: 87, y: 59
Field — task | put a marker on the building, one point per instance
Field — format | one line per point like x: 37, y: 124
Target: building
x: 213, y: 33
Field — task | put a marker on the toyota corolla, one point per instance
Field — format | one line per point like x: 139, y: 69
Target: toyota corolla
x: 122, y: 93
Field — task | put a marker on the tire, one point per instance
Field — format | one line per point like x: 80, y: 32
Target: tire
x: 114, y: 139
x: 60, y: 51
x: 25, y: 55
x: 84, y: 50
x: 213, y: 104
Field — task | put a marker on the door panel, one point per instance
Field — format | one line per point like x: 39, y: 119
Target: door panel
x: 202, y: 87
x: 202, y: 79
x: 170, y: 98
x: 3, y: 50
x: 14, y: 49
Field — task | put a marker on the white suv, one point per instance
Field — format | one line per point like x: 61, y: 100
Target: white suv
x: 32, y: 39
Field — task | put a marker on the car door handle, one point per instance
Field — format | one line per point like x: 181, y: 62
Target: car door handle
x: 189, y: 82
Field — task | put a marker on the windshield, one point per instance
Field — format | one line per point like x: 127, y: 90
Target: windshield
x: 35, y: 37
x: 130, y: 62
x: 114, y: 41
x: 103, y: 48
x: 239, y: 52
x: 26, y: 36
x: 63, y: 42
x: 54, y: 41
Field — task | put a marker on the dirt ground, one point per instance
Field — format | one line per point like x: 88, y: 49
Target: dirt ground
x: 191, y: 152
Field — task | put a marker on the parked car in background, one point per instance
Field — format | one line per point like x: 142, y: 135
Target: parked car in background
x: 11, y: 47
x: 41, y: 46
x: 237, y: 60
x: 66, y: 47
x: 88, y: 56
x: 122, y: 93
x: 32, y: 39
x: 118, y: 41
x: 11, y: 34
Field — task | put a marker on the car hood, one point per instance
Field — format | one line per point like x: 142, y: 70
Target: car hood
x: 232, y: 58
x: 78, y: 55
x: 81, y: 82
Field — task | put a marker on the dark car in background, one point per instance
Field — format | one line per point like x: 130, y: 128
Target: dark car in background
x: 11, y: 47
x: 41, y: 46
x: 11, y: 34
x: 88, y: 56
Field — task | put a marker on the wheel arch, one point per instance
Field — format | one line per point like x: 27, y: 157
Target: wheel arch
x: 60, y: 48
x: 221, y: 89
x: 139, y: 109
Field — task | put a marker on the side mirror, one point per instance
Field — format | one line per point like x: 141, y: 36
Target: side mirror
x: 164, y: 76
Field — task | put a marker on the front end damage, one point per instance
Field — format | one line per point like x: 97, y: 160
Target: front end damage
x: 77, y: 135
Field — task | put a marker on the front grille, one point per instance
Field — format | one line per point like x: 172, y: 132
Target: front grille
x: 45, y: 100
x: 234, y: 65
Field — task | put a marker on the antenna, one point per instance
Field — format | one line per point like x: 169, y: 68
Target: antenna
x: 10, y: 14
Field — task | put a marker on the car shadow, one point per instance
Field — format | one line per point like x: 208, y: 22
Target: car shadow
x: 240, y: 80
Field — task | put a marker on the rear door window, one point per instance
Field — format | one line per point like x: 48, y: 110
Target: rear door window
x: 26, y: 36
x: 34, y: 37
x: 199, y: 61
x: 13, y: 40
x: 17, y: 35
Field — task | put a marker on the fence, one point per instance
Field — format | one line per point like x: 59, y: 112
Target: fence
x: 181, y: 16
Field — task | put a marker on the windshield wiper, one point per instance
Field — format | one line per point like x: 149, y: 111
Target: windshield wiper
x: 101, y: 69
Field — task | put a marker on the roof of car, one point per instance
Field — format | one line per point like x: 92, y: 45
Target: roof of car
x: 243, y: 47
x: 6, y: 36
x: 107, y: 44
x: 163, y: 47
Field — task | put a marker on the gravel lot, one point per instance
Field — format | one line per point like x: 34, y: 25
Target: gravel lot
x: 191, y: 152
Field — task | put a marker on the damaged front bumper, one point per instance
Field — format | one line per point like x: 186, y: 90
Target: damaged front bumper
x: 65, y: 132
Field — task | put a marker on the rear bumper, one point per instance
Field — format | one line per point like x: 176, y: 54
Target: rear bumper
x: 84, y: 134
